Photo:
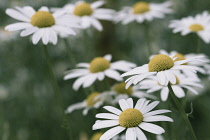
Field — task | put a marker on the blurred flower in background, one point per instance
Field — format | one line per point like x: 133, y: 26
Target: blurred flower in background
x: 198, y: 24
x: 143, y: 11
x: 89, y: 14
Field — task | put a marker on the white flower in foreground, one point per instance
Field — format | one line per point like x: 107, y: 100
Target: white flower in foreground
x: 98, y: 68
x: 42, y: 24
x: 162, y: 66
x: 201, y: 64
x: 183, y: 82
x: 89, y: 14
x: 200, y: 24
x: 120, y: 92
x: 132, y: 119
x: 143, y: 11
x: 94, y: 100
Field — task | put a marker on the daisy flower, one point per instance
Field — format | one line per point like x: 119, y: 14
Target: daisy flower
x: 89, y: 14
x: 182, y: 82
x: 42, y: 24
x: 122, y: 137
x: 143, y: 11
x: 120, y: 92
x: 132, y: 119
x: 201, y: 64
x: 94, y: 100
x: 162, y: 66
x: 98, y: 68
x: 198, y: 24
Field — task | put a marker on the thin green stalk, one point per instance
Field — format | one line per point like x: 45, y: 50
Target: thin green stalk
x: 148, y: 40
x: 56, y: 87
x: 181, y: 110
x: 69, y: 52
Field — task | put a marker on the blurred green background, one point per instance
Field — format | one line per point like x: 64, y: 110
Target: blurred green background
x: 29, y: 109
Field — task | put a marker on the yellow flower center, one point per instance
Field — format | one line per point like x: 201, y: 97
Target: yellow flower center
x: 99, y: 64
x: 196, y: 27
x: 141, y: 7
x: 42, y: 19
x: 160, y: 62
x: 130, y: 118
x: 96, y: 136
x: 83, y: 9
x: 90, y: 101
x: 120, y: 88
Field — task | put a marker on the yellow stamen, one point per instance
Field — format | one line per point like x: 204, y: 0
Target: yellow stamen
x: 196, y: 27
x: 42, y: 19
x: 99, y: 64
x: 120, y: 88
x: 130, y: 118
x: 141, y: 7
x: 90, y: 101
x: 83, y: 9
x: 160, y: 62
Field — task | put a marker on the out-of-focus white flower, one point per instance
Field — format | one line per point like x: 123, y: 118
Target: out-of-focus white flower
x: 132, y: 119
x: 163, y: 67
x: 143, y: 11
x: 88, y: 14
x: 42, y: 24
x: 6, y: 35
x: 200, y: 24
x: 120, y: 92
x: 183, y: 82
x: 98, y: 68
x: 94, y: 100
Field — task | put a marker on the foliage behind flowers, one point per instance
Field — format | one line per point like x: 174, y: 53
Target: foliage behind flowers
x: 30, y: 108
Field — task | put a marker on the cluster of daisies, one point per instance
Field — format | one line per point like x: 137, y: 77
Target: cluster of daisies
x: 47, y: 24
x: 179, y: 71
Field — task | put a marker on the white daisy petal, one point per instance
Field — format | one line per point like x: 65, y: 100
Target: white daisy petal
x: 157, y: 118
x: 152, y: 128
x: 17, y: 26
x: 156, y: 112
x: 113, y: 74
x: 97, y: 4
x: 140, y: 134
x: 105, y: 124
x: 130, y: 102
x: 111, y: 133
x: 28, y: 31
x: 130, y: 134
x: 17, y: 15
x: 164, y: 94
x: 150, y: 107
x: 123, y: 104
x: 91, y: 79
x: 75, y: 106
x: 113, y: 110
x: 178, y: 91
x: 107, y: 116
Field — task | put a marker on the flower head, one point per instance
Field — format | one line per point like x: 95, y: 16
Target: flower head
x: 198, y: 24
x: 94, y: 100
x: 98, y: 68
x: 162, y: 66
x: 143, y: 11
x: 42, y: 24
x: 89, y: 14
x: 132, y: 119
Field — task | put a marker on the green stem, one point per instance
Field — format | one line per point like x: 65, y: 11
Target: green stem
x: 56, y: 87
x: 181, y: 110
x: 148, y: 40
x: 69, y: 52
